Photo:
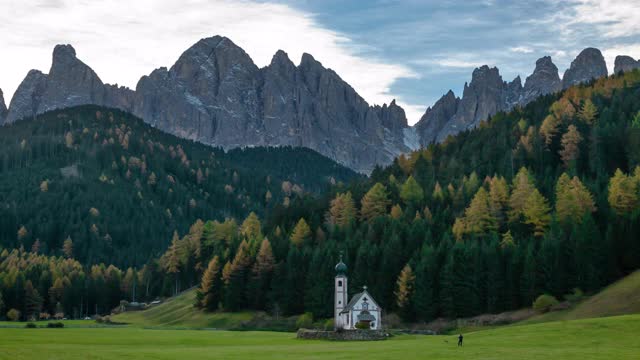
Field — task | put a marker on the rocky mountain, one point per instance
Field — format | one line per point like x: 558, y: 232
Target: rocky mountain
x: 216, y: 95
x: 544, y: 80
x: 588, y: 65
x: 3, y: 108
x: 625, y: 63
x: 488, y: 94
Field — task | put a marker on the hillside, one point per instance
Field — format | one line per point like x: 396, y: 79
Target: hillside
x: 119, y: 188
x: 178, y: 311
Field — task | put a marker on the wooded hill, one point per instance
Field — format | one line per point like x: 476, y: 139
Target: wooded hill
x: 118, y: 188
x: 544, y: 199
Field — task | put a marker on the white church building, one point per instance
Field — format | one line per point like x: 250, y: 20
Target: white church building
x: 361, y: 309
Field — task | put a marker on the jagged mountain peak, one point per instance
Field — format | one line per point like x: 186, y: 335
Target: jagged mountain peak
x: 624, y: 63
x: 3, y: 108
x: 588, y: 65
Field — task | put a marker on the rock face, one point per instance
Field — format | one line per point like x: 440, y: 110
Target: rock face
x: 3, y: 108
x: 625, y: 63
x: 216, y: 95
x: 487, y: 94
x: 588, y: 65
x: 484, y: 96
x: 544, y: 80
x: 436, y: 118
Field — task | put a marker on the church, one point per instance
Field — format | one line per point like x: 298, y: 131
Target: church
x: 361, y: 309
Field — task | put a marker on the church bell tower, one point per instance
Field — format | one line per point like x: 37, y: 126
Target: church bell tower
x: 341, y: 295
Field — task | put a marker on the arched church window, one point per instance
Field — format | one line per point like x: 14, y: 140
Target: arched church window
x: 340, y: 283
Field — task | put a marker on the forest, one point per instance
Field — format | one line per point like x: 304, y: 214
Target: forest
x: 544, y: 199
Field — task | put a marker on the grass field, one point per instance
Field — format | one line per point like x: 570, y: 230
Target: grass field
x: 602, y: 338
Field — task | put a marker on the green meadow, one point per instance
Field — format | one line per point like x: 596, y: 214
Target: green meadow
x: 601, y: 338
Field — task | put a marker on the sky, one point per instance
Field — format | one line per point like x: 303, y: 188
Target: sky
x: 413, y: 51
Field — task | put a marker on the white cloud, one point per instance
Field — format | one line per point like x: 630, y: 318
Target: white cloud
x: 521, y: 49
x: 614, y: 18
x: 123, y: 39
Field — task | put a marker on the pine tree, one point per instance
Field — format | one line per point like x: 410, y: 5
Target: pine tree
x: 536, y: 212
x: 172, y: 260
x: 342, y: 210
x: 251, y: 228
x: 588, y: 112
x: 623, y: 193
x: 404, y: 292
x: 301, y: 233
x: 573, y: 200
x: 67, y: 248
x: 411, y: 192
x: 396, y: 212
x: 261, y: 275
x: 570, y: 145
x: 32, y: 301
x: 235, y: 279
x: 549, y: 128
x: 522, y: 187
x: 209, y: 293
x: 374, y: 203
x: 425, y: 296
x: 498, y: 198
x: 478, y: 216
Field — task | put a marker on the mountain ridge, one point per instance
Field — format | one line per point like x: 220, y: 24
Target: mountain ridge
x: 215, y: 94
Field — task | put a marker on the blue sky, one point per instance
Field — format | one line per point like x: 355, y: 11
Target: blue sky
x: 410, y: 50
x: 443, y: 41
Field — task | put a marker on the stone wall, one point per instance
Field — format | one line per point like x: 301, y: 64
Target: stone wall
x: 345, y: 335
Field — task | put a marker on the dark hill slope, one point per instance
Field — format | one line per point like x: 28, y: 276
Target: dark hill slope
x: 119, y: 188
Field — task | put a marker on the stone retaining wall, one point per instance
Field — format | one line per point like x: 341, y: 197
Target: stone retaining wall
x: 345, y: 335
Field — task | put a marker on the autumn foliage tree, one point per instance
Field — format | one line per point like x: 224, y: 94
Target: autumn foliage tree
x: 374, y: 203
x: 404, y: 290
x: 209, y: 293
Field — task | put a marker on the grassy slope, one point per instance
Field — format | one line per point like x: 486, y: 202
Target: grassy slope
x: 602, y: 338
x: 179, y: 311
x: 619, y: 298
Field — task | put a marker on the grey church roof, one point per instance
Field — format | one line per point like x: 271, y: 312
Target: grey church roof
x: 355, y: 299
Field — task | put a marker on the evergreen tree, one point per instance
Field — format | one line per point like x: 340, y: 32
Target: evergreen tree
x: 32, y: 301
x: 261, y: 275
x: 573, y: 200
x: 209, y: 292
x: 522, y: 188
x: 536, y: 212
x: 411, y: 192
x: 570, y: 145
x: 404, y: 292
x: 588, y: 112
x: 301, y: 233
x: 425, y: 298
x: 623, y: 193
x: 67, y: 248
x: 374, y: 203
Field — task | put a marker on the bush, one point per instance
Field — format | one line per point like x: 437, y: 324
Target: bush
x: 574, y: 297
x: 329, y: 325
x: 13, y: 315
x: 363, y: 326
x: 30, y: 326
x: 544, y: 303
x: 55, y: 325
x: 304, y: 321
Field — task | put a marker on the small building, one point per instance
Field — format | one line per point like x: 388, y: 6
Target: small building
x: 361, y: 309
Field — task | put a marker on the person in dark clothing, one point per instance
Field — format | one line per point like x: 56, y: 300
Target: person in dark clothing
x: 460, y: 340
